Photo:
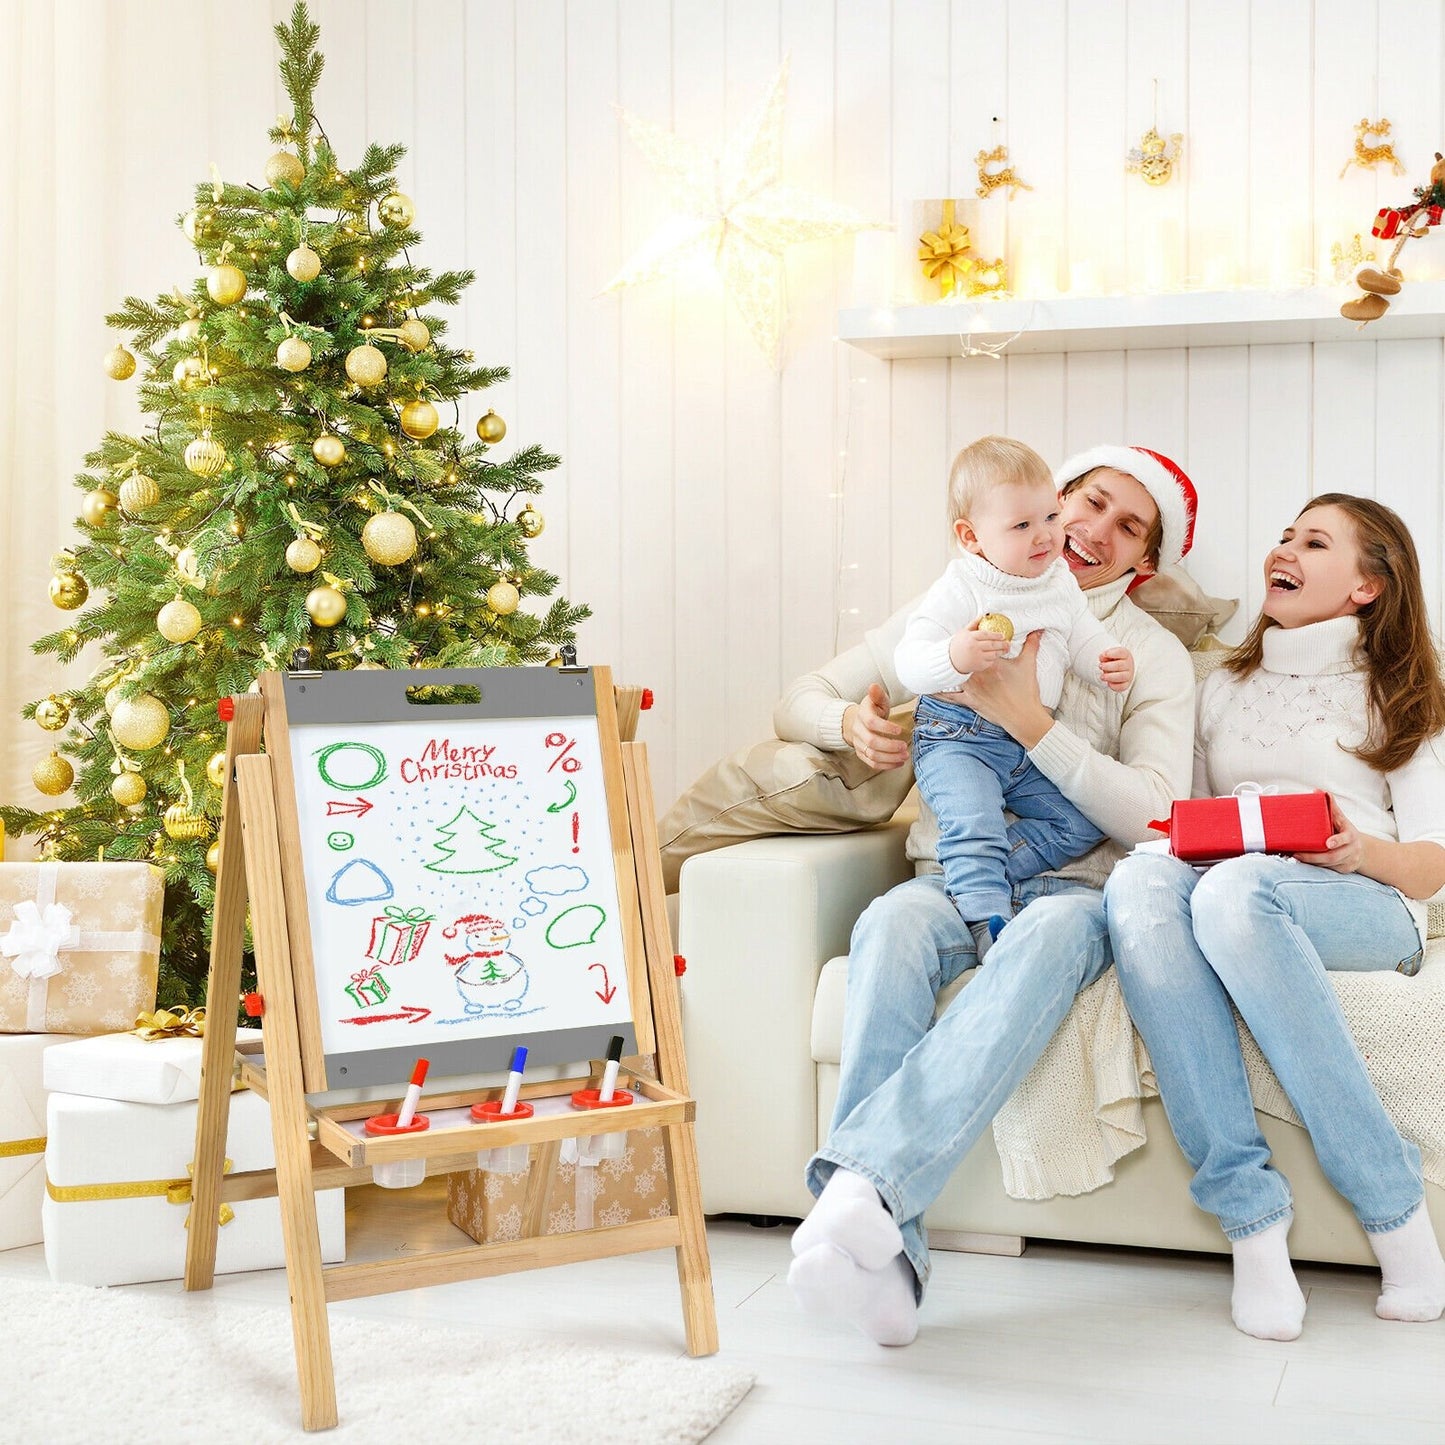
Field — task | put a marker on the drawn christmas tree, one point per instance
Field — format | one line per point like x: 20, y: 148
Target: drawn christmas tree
x: 469, y: 844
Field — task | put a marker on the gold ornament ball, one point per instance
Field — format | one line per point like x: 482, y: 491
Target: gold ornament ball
x: 98, y: 508
x: 213, y: 856
x: 128, y: 789
x: 205, y: 456
x: 491, y: 428
x: 112, y: 699
x: 178, y: 621
x: 413, y: 334
x: 293, y: 354
x: 216, y: 770
x: 419, y: 419
x: 68, y: 590
x: 555, y: 660
x: 183, y: 825
x: 226, y: 284
x: 389, y: 538
x: 370, y: 667
x: 188, y: 374
x: 365, y: 364
x: 395, y: 211
x: 328, y: 450
x: 140, y: 722
x: 326, y: 606
x: 503, y: 598
x: 531, y: 522
x: 52, y: 714
x: 303, y: 264
x: 997, y: 623
x: 283, y: 166
x: 52, y: 775
x: 138, y: 492
x: 303, y: 555
x: 119, y: 364
x: 189, y: 329
x: 198, y: 225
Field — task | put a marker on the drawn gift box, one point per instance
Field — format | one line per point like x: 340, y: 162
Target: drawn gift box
x: 79, y: 945
x: 368, y: 987
x: 1208, y: 830
x: 398, y: 934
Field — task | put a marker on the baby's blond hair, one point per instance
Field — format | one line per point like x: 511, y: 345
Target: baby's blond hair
x: 990, y: 462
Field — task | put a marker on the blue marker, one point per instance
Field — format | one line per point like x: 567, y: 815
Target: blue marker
x: 514, y: 1080
x: 609, y: 1074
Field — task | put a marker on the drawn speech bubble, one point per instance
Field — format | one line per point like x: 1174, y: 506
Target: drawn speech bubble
x: 556, y: 880
x: 576, y: 926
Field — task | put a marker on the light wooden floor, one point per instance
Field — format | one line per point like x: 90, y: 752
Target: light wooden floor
x: 1066, y: 1344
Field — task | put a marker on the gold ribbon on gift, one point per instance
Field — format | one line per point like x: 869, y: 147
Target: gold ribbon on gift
x: 168, y: 1023
x: 943, y: 252
x: 13, y: 1148
x: 176, y: 1191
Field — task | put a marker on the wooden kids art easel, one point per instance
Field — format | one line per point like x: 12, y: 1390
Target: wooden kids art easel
x: 263, y: 859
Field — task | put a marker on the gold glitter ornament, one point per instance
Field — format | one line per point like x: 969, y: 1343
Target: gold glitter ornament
x: 491, y: 428
x: 998, y: 624
x: 178, y: 621
x: 303, y: 264
x: 216, y: 770
x: 213, y: 856
x: 112, y: 699
x: 188, y: 373
x: 326, y: 606
x: 140, y: 722
x: 138, y: 492
x: 52, y: 714
x: 389, y: 538
x: 205, y: 456
x: 365, y: 364
x: 97, y: 509
x: 128, y: 789
x: 293, y: 354
x: 395, y: 211
x: 52, y: 776
x: 531, y: 522
x: 303, y: 555
x: 119, y: 364
x: 68, y: 590
x: 413, y: 334
x: 226, y: 284
x: 502, y: 598
x: 284, y: 167
x: 419, y: 419
x: 328, y: 450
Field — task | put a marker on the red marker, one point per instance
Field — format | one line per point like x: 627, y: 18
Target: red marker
x: 413, y: 1094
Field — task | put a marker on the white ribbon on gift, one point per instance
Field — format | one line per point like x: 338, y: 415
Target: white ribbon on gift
x: 1251, y: 816
x: 586, y: 1153
x: 42, y: 931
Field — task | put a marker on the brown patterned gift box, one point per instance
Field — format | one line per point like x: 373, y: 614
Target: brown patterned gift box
x: 79, y: 945
x: 489, y: 1206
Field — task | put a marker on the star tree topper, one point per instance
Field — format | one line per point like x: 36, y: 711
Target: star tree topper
x: 736, y: 215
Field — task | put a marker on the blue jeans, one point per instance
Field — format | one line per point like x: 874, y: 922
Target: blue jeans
x: 1263, y: 931
x: 968, y: 771
x: 914, y: 1095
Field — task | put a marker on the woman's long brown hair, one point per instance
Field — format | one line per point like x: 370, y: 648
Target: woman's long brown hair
x: 1406, y: 693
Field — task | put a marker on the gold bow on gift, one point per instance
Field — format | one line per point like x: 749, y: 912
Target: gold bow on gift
x: 942, y: 252
x: 171, y: 1024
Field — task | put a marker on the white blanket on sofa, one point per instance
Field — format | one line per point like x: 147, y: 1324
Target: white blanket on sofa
x: 1078, y: 1112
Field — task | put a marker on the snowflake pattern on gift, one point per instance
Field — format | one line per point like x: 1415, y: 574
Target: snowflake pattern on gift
x: 79, y: 989
x: 616, y: 1168
x: 509, y: 1225
x: 566, y: 1171
x: 659, y: 1160
x: 462, y: 1195
x: 661, y: 1211
x: 615, y: 1213
x: 644, y: 1183
x: 563, y: 1221
x: 493, y: 1185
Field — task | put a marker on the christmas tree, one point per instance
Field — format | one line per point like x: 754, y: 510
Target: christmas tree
x: 478, y: 849
x: 296, y: 490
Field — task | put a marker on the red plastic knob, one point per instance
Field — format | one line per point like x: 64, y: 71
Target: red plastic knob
x: 253, y: 1005
x: 226, y: 708
x: 679, y: 964
x: 646, y: 699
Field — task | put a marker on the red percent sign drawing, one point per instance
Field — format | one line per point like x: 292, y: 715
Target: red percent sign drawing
x: 608, y: 990
x: 561, y: 740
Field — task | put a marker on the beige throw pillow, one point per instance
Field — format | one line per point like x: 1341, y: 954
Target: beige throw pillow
x: 1176, y: 601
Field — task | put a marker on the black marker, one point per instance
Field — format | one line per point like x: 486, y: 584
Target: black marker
x: 609, y: 1074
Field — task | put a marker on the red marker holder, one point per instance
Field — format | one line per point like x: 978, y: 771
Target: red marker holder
x: 400, y: 1173
x: 385, y: 1124
x: 589, y: 1099
x: 489, y: 1111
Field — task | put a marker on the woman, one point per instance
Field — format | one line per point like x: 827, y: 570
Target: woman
x: 1337, y: 687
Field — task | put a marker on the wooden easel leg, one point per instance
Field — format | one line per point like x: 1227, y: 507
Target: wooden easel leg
x: 694, y: 1269
x: 539, y: 1184
x: 309, y: 1324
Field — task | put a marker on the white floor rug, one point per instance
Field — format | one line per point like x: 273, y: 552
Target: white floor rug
x: 90, y: 1365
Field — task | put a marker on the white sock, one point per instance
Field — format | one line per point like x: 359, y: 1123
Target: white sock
x: 1267, y: 1302
x: 880, y: 1302
x: 850, y: 1215
x: 1411, y: 1270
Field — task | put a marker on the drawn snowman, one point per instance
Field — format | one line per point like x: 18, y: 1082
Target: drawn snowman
x: 489, y: 977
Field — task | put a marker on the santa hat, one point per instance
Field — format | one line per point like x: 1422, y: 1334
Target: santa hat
x: 1172, y: 491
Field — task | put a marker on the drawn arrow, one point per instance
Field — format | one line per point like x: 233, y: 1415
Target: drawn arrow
x: 567, y: 801
x: 411, y: 1013
x: 358, y: 805
x: 608, y: 991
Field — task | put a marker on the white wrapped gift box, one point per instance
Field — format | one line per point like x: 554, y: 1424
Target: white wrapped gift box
x: 117, y: 1192
x: 126, y: 1066
x: 22, y: 1136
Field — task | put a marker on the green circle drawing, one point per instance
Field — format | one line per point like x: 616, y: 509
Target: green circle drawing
x: 376, y: 756
x: 340, y: 841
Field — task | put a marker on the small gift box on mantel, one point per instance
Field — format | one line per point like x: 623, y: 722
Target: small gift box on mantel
x: 1251, y: 820
x: 79, y: 945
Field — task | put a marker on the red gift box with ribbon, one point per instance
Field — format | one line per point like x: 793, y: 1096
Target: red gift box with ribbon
x: 1387, y: 223
x: 1251, y: 820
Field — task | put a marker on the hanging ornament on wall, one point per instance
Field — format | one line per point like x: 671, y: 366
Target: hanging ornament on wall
x: 326, y: 606
x: 1369, y: 156
x: 52, y: 713
x: 53, y: 775
x: 328, y: 450
x: 995, y: 171
x: 303, y: 264
x: 389, y: 538
x: 419, y: 419
x: 140, y: 722
x: 284, y: 168
x: 530, y: 521
x: 491, y: 428
x: 1152, y: 157
x: 97, y: 508
x: 205, y: 456
x: 128, y: 788
x: 395, y: 211
x: 365, y: 364
x: 178, y: 621
x: 119, y: 364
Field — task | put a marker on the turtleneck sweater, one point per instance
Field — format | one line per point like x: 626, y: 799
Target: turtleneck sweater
x: 1289, y: 724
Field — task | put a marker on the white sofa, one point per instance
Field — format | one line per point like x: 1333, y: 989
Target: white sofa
x: 764, y: 928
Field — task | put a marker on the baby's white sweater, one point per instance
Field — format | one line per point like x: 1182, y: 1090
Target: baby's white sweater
x: 1289, y: 722
x: 1072, y: 638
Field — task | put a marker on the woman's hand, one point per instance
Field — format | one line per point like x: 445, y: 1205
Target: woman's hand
x: 1344, y: 848
x: 1008, y: 695
x: 873, y: 735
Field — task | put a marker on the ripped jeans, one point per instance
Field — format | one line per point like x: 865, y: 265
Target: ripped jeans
x: 1263, y: 932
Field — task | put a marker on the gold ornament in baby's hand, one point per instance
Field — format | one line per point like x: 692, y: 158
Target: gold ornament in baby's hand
x: 996, y: 622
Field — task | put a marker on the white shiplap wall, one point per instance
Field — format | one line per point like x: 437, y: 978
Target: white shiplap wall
x: 728, y: 524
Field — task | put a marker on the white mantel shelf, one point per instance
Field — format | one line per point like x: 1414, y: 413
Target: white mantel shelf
x: 1118, y: 323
